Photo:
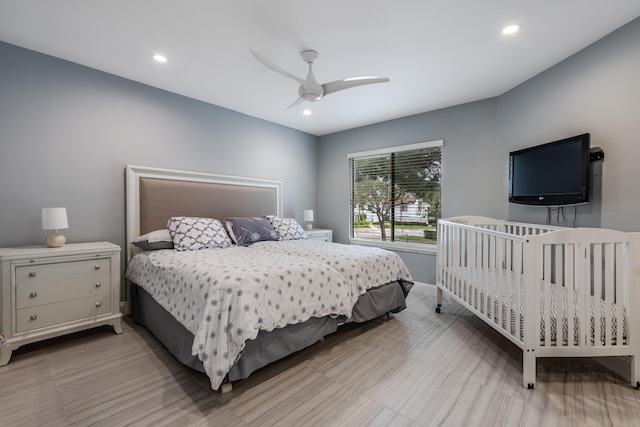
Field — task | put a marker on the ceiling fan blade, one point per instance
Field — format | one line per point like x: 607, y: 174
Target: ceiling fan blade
x: 298, y: 101
x: 274, y: 67
x: 338, y: 85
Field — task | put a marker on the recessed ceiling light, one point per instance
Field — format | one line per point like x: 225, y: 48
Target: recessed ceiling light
x: 160, y: 58
x: 307, y: 112
x: 511, y: 29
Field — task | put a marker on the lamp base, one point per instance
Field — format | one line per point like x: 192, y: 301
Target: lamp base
x: 308, y: 226
x: 55, y: 240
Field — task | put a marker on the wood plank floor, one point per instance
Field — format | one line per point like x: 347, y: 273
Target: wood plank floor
x: 417, y: 369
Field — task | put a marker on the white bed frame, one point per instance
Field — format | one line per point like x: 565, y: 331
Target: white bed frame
x: 554, y: 292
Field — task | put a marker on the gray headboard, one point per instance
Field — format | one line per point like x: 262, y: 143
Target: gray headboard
x: 154, y: 195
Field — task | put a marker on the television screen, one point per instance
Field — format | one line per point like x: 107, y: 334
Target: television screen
x: 552, y: 174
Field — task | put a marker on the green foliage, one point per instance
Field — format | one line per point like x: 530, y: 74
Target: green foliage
x: 361, y: 223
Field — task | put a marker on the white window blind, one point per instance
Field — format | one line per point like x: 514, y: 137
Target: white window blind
x: 395, y: 193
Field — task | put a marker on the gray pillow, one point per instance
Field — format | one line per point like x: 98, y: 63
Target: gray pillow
x: 245, y: 230
x: 159, y: 239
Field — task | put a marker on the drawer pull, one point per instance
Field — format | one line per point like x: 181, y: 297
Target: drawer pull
x: 32, y: 274
x: 97, y: 266
x: 98, y: 304
x: 98, y: 285
x: 34, y: 317
x: 33, y: 294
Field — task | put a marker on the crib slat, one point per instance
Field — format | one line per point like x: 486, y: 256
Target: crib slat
x: 500, y: 288
x: 596, y: 291
x: 558, y: 292
x: 569, y: 270
x: 470, y: 242
x: 618, y: 289
x: 519, y: 288
x: 546, y: 291
x: 609, y: 266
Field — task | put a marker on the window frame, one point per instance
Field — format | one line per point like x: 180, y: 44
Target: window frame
x: 426, y: 248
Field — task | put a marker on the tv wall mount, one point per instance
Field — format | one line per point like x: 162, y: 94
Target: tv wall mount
x: 596, y: 154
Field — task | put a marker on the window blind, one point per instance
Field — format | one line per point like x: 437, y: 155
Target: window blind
x: 395, y: 193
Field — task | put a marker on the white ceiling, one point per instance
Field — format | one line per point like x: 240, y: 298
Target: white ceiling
x: 437, y: 53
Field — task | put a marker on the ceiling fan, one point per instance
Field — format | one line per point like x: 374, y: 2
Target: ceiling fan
x: 310, y: 90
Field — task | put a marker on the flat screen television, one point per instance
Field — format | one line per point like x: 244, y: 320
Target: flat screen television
x: 551, y: 174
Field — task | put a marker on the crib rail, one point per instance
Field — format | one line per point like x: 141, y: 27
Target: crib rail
x: 585, y: 279
x: 482, y: 267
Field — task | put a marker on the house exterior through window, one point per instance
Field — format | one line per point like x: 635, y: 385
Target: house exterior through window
x: 395, y: 195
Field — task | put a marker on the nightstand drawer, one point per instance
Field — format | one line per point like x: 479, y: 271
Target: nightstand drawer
x: 320, y: 235
x: 36, y: 294
x: 41, y: 273
x: 28, y: 319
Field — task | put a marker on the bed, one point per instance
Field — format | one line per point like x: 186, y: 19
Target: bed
x: 267, y: 301
x: 552, y: 291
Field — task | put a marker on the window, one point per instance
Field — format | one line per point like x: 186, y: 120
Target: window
x: 395, y: 195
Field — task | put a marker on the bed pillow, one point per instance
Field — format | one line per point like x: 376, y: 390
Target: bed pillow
x: 245, y: 230
x: 287, y: 228
x: 192, y: 233
x: 159, y: 239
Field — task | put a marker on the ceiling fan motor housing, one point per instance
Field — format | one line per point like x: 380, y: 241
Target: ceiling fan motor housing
x: 311, y: 91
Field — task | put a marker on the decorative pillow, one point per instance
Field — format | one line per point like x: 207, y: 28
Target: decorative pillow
x: 159, y: 239
x: 287, y: 228
x: 245, y: 231
x: 191, y: 233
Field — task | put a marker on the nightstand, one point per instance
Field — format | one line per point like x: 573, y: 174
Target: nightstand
x: 321, y: 234
x: 48, y: 292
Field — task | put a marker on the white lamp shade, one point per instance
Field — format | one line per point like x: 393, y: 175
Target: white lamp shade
x: 308, y: 215
x: 54, y: 218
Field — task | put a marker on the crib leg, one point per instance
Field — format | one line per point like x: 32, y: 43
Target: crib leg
x: 438, y: 299
x: 635, y: 372
x: 528, y: 368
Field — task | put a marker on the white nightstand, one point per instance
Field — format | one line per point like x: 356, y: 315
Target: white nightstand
x: 320, y: 234
x: 48, y: 292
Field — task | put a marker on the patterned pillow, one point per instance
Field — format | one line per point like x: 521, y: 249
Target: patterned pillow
x: 191, y: 233
x: 287, y: 228
x: 245, y: 231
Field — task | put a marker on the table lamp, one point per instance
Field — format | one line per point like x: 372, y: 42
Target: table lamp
x: 54, y: 219
x: 308, y: 217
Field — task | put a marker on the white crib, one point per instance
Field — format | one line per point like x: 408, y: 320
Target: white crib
x: 554, y: 292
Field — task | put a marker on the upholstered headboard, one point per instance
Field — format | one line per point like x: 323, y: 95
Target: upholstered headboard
x: 154, y: 195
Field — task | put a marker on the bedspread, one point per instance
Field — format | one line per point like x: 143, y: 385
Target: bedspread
x: 363, y: 267
x: 225, y: 296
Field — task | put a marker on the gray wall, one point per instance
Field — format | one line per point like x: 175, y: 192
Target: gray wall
x: 468, y: 157
x: 596, y: 91
x: 67, y: 132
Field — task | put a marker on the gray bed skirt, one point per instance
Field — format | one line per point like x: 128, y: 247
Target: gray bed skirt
x: 267, y: 347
